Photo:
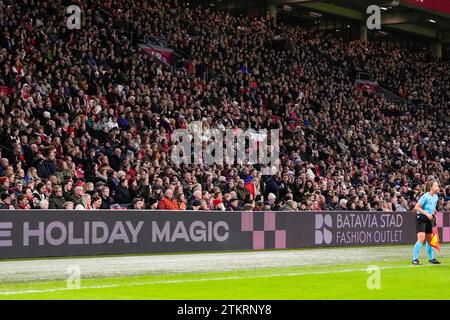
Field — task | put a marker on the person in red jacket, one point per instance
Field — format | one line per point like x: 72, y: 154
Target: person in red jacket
x: 250, y: 186
x: 167, y: 203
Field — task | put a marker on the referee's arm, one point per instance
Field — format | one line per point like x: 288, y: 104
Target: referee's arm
x: 418, y: 208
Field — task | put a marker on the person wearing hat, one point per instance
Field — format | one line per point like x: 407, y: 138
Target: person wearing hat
x: 152, y: 203
x: 196, y: 205
x: 271, y: 199
x: 196, y: 195
x: 250, y: 186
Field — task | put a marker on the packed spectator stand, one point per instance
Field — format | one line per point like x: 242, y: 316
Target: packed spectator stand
x: 86, y: 116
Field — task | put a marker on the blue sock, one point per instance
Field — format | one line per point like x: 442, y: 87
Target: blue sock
x: 429, y: 251
x: 417, y: 248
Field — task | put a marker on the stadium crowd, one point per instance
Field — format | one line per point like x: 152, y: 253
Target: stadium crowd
x: 86, y: 116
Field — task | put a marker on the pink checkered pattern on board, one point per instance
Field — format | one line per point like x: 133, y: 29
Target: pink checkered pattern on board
x: 443, y: 226
x: 247, y: 224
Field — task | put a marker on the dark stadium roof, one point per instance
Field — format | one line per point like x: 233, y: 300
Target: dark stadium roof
x: 403, y: 17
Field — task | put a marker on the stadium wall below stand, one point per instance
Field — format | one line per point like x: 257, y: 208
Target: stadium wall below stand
x: 62, y: 233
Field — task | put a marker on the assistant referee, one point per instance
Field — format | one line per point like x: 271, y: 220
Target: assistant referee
x: 426, y: 209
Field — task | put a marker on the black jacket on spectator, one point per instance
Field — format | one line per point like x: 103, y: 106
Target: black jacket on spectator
x: 67, y: 195
x: 112, y: 184
x: 46, y: 168
x: 55, y: 202
x: 272, y: 186
x: 106, y: 202
x: 122, y: 195
x: 115, y: 162
x: 76, y: 200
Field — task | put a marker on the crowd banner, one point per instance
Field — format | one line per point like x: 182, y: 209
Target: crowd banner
x: 46, y: 233
x: 163, y: 54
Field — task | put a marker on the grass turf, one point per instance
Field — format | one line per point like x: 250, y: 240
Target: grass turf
x: 398, y: 280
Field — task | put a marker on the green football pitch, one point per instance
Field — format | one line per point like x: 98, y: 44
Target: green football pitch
x: 393, y: 278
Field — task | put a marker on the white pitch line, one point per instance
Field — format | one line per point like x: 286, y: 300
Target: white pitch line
x: 133, y: 284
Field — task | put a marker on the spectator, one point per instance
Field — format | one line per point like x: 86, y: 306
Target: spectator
x: 39, y: 193
x: 29, y: 195
x: 56, y: 200
x: 123, y: 196
x: 22, y: 202
x: 167, y: 203
x: 89, y: 120
x: 342, y: 205
x: 67, y: 190
x: 234, y: 205
x: 77, y: 198
x: 218, y: 205
x: 181, y: 201
x: 96, y: 202
x: 250, y: 186
x: 6, y: 201
x: 196, y: 205
x: 242, y: 192
x: 197, y: 195
x: 107, y: 200
x: 271, y: 198
x: 85, y: 202
x: 402, y: 205
x: 115, y: 159
x: 89, y: 188
x: 303, y: 207
x: 290, y: 205
x: 138, y: 203
x: 333, y: 203
x: 68, y: 205
x: 273, y: 186
x: 44, y: 205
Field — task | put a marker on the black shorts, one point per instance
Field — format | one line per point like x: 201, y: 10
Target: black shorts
x: 423, y: 224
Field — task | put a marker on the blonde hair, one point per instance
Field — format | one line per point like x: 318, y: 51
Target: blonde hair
x: 429, y: 185
x: 88, y: 185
